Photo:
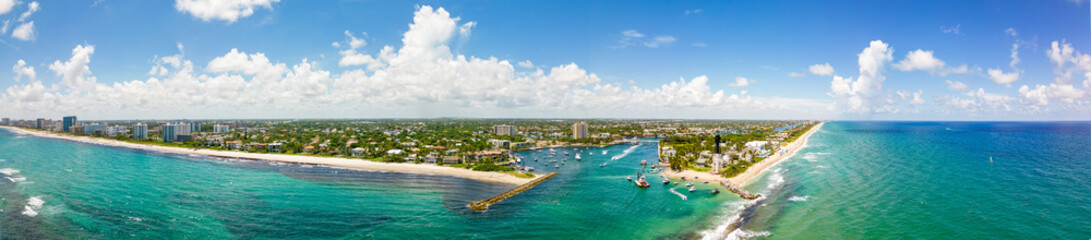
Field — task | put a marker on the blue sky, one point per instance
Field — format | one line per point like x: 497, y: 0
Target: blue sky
x: 623, y: 59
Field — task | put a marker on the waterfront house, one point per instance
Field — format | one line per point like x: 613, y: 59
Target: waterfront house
x: 357, y: 151
x: 669, y: 152
x: 275, y: 147
x: 234, y: 144
x: 431, y: 158
x: 447, y: 160
x: 394, y: 152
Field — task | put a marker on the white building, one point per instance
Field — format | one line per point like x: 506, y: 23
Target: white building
x: 499, y: 144
x: 221, y: 128
x: 182, y: 129
x: 140, y: 131
x: 756, y: 145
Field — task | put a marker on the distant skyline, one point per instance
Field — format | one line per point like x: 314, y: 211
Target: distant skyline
x: 283, y: 59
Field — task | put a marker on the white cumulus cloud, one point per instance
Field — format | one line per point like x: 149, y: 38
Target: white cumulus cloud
x: 1041, y: 94
x: 956, y: 85
x: 422, y: 78
x: 74, y: 72
x: 526, y: 64
x: 1000, y: 77
x: 21, y: 69
x: 226, y: 10
x: 6, y: 6
x: 740, y: 82
x: 24, y: 31
x: 1061, y: 54
x: 31, y: 8
x: 857, y: 95
x: 821, y: 69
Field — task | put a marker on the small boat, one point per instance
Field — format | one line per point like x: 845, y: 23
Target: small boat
x: 692, y: 189
x: 715, y: 191
x: 628, y: 178
x: 530, y: 169
x: 591, y: 154
x: 690, y: 183
x: 602, y: 165
x: 641, y: 182
x: 683, y: 178
x: 666, y: 181
x: 556, y: 166
x: 577, y: 156
x: 706, y: 182
x: 566, y: 153
x: 603, y: 152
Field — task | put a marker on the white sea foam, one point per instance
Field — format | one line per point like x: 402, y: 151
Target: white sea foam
x: 29, y: 211
x: 33, y: 203
x: 813, y: 156
x: 731, y: 215
x: 624, y: 153
x: 822, y: 166
x: 15, y: 179
x: 746, y: 234
x: 9, y: 171
x: 799, y: 198
x: 776, y: 179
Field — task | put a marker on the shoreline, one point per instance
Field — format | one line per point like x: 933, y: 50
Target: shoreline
x: 754, y: 170
x: 357, y: 164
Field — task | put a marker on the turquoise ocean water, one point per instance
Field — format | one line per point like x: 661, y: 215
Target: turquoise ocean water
x: 920, y: 180
x: 58, y: 189
x: 852, y: 180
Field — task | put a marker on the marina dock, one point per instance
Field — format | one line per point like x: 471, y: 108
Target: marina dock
x: 739, y: 191
x: 482, y: 205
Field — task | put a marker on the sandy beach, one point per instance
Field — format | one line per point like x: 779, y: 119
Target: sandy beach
x: 315, y: 160
x: 754, y: 170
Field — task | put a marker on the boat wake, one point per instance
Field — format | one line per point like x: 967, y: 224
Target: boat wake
x: 679, y: 194
x: 624, y: 153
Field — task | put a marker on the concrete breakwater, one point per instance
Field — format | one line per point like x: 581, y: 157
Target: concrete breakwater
x: 482, y: 205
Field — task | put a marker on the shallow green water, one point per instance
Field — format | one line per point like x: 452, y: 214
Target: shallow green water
x: 98, y: 192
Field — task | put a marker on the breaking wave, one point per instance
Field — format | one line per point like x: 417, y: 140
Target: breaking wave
x: 33, y: 203
x: 799, y: 198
